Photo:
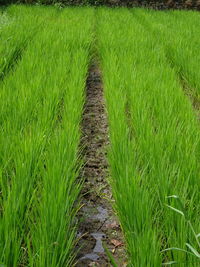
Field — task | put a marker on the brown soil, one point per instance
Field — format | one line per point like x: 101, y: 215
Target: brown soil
x: 98, y: 223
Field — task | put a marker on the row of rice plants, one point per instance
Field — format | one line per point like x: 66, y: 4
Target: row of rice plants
x: 41, y: 107
x: 154, y: 138
x: 185, y: 47
x: 18, y: 27
x: 21, y: 95
x: 180, y: 32
x: 60, y: 189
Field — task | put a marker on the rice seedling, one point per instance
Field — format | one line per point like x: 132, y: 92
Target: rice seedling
x: 154, y: 139
x: 22, y: 121
x: 40, y: 114
x: 154, y: 133
x: 18, y: 26
x: 180, y: 35
x: 182, y: 211
x: 62, y: 161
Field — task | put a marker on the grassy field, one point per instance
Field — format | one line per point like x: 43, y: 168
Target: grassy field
x: 149, y: 62
x: 155, y: 139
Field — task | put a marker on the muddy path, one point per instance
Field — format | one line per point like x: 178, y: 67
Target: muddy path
x: 98, y: 225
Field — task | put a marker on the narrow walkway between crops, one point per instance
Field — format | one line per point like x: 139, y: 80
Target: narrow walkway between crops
x: 98, y: 224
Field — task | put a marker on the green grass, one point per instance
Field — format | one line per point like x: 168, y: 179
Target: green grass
x: 180, y: 35
x: 154, y: 139
x: 18, y: 26
x: 41, y: 107
x: 144, y: 55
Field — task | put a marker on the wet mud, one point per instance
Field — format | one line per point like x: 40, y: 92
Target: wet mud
x: 98, y: 225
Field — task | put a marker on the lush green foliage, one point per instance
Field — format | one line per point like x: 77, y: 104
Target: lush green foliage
x: 182, y: 45
x: 154, y: 136
x: 14, y: 36
x: 41, y: 108
x: 153, y: 129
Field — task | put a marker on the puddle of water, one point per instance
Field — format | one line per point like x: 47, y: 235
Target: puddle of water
x: 99, y: 213
x: 79, y: 234
x: 99, y: 245
x: 98, y: 248
x: 90, y: 256
x: 102, y: 214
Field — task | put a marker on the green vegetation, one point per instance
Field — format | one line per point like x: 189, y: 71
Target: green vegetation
x: 180, y: 36
x: 154, y: 139
x: 17, y: 27
x: 154, y: 134
x: 41, y: 108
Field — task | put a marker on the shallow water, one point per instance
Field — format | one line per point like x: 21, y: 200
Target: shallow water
x: 98, y: 248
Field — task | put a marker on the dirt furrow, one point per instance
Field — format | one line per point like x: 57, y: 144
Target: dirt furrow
x: 98, y: 225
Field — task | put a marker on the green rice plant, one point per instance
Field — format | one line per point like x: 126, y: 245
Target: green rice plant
x: 182, y: 211
x: 53, y: 240
x: 180, y: 34
x: 135, y: 218
x: 154, y: 139
x: 24, y: 124
x: 41, y: 106
x: 185, y: 48
x: 19, y: 24
x: 154, y: 134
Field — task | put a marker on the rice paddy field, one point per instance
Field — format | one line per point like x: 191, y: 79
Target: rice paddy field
x: 149, y: 64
